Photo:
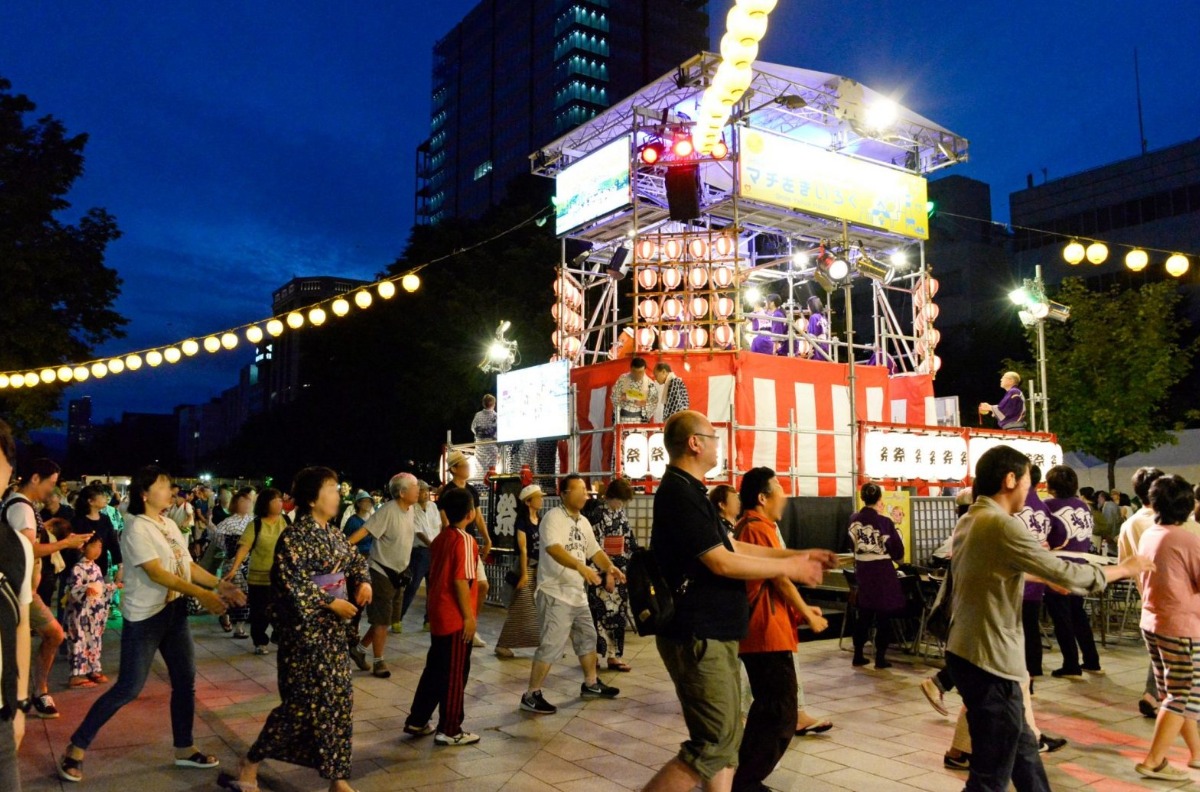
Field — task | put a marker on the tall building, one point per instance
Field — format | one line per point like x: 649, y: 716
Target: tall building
x: 1151, y: 200
x: 515, y: 74
x: 279, y: 358
x: 79, y: 421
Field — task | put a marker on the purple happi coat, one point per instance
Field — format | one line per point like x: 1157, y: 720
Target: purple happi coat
x: 877, y: 544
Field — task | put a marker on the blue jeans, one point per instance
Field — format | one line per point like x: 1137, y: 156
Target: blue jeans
x: 166, y: 632
x: 418, y: 564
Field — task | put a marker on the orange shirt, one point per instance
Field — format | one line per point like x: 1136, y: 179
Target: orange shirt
x: 772, y: 623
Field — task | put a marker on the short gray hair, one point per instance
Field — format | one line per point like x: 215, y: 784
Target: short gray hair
x: 423, y: 485
x: 401, y: 483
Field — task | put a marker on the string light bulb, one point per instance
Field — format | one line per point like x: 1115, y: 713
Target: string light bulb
x: 254, y: 334
x: 362, y: 298
x: 275, y: 328
x: 172, y: 354
x: 212, y: 344
x: 317, y: 317
x: 190, y: 347
x: 387, y: 290
x: 133, y: 362
x: 295, y: 320
x: 410, y: 282
x: 340, y: 307
x: 154, y: 358
x: 229, y: 340
x: 116, y: 365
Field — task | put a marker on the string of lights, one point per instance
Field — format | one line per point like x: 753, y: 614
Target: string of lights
x: 314, y: 314
x: 746, y: 24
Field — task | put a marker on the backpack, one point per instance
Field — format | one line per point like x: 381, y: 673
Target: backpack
x: 651, y: 600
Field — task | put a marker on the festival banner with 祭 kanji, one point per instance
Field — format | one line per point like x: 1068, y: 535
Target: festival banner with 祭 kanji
x: 762, y: 393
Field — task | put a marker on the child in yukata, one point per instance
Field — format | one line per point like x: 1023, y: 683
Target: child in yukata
x: 88, y: 599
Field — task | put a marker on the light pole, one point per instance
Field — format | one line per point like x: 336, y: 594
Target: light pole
x: 1035, y: 310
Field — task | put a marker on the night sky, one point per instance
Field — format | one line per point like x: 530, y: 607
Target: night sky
x: 239, y: 145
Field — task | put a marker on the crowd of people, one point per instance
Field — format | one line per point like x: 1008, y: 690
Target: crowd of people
x: 299, y: 570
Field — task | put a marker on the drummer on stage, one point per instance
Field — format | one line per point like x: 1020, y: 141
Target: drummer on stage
x: 1010, y: 412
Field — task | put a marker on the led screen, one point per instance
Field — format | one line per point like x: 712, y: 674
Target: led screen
x: 533, y: 402
x: 593, y: 187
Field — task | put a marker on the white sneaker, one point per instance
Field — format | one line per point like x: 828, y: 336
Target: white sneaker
x: 477, y: 642
x: 462, y: 738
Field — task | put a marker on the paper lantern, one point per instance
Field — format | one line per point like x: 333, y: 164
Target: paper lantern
x: 81, y: 373
x: 17, y: 381
x: 804, y: 348
x: 572, y: 346
x: 317, y: 316
x: 722, y: 277
x: 133, y: 362
x: 635, y: 455
x: 725, y: 307
x: 99, y: 371
x: 229, y: 340
x: 672, y: 308
x: 386, y: 290
x: 698, y: 277
x: 647, y: 278
x: 929, y: 287
x: 1136, y: 260
x: 362, y: 298
x: 724, y: 245
x: 1097, y: 253
x: 254, y: 334
x: 930, y: 311
x: 670, y: 338
x: 190, y: 347
x: 697, y: 338
x: 410, y: 282
x: 1177, y: 265
x: 673, y: 248
x: 758, y: 6
x: 4, y: 380
x: 47, y: 375
x: 275, y: 327
x: 1074, y: 252
x: 211, y: 344
x: 933, y: 336
x: 645, y: 337
x: 937, y: 363
x: 172, y: 354
x: 340, y: 307
x: 699, y: 306
x: 646, y: 249
x: 648, y: 310
x: 295, y: 320
x: 64, y: 374
x: 698, y: 247
x: 671, y: 277
x: 723, y: 335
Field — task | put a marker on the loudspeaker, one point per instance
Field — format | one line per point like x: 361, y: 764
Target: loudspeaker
x: 616, y: 267
x: 683, y: 192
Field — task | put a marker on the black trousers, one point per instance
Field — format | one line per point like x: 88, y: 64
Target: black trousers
x: 442, y: 684
x: 1003, y: 747
x: 862, y: 629
x: 771, y: 723
x: 1072, y: 630
x: 1031, y: 613
x: 259, y: 600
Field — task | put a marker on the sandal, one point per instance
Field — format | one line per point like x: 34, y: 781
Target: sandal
x: 198, y: 759
x: 226, y: 781
x: 817, y: 727
x: 98, y: 678
x: 69, y: 765
x: 617, y: 664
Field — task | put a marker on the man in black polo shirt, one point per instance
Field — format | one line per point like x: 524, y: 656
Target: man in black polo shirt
x: 707, y: 571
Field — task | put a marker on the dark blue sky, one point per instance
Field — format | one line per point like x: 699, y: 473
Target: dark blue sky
x: 241, y: 144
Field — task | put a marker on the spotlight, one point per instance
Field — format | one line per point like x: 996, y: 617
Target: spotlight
x: 651, y: 153
x: 720, y: 150
x: 899, y: 259
x: 875, y: 270
x: 882, y: 114
x: 683, y: 146
x: 1020, y: 296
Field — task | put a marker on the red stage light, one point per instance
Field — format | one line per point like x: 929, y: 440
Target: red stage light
x: 651, y: 153
x: 683, y: 147
x: 720, y: 150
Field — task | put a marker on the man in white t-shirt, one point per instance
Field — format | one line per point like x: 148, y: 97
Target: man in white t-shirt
x: 393, y: 527
x: 19, y: 512
x: 14, y: 634
x: 568, y: 543
x: 428, y: 526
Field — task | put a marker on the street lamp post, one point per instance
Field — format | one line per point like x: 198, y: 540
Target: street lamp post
x: 1035, y: 310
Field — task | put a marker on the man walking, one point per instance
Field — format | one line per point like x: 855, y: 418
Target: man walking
x: 392, y: 528
x: 568, y: 543
x: 992, y: 554
x: 707, y: 572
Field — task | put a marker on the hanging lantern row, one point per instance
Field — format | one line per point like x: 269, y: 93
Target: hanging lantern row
x: 672, y: 248
x: 673, y: 308
x: 1136, y: 260
x: 190, y: 347
x: 684, y: 337
x: 698, y: 277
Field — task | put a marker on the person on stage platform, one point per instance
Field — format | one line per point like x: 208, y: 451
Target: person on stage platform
x: 672, y: 393
x: 818, y: 328
x: 1010, y: 411
x: 766, y: 344
x: 634, y: 395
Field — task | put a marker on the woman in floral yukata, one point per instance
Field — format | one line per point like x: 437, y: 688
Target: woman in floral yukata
x: 314, y: 569
x: 609, y: 602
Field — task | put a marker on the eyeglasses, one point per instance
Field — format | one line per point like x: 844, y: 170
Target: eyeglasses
x: 701, y: 434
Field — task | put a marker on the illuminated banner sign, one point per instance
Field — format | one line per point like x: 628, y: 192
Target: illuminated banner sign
x: 593, y: 187
x: 913, y: 455
x: 795, y: 175
x: 642, y: 452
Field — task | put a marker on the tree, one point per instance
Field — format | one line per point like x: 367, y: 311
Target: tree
x: 1112, y: 367
x: 56, y: 293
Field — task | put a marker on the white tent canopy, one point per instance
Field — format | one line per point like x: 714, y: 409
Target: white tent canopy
x: 1182, y: 459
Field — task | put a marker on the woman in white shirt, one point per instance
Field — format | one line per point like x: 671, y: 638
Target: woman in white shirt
x: 160, y: 574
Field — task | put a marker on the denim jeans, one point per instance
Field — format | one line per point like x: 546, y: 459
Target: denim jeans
x: 166, y: 632
x: 1003, y: 746
x: 419, y: 566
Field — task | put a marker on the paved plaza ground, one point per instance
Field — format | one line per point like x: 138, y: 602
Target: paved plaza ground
x: 886, y: 736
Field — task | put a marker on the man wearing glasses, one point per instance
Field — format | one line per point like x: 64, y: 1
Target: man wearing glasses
x: 707, y: 571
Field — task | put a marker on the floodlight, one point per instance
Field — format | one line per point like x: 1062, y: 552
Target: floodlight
x: 753, y: 295
x: 882, y: 114
x: 651, y: 153
x: 1057, y: 311
x: 1020, y: 296
x: 683, y: 147
x: 719, y: 150
x: 899, y: 259
x: 875, y: 270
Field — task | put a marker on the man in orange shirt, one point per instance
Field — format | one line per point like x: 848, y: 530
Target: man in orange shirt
x: 771, y: 640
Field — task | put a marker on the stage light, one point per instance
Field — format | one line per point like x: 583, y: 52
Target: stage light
x: 875, y: 270
x: 386, y: 290
x: 99, y: 371
x: 1020, y: 296
x: 1136, y: 260
x: 882, y: 114
x: 1074, y: 252
x: 133, y: 362
x: 719, y: 150
x: 1097, y: 253
x: 275, y: 328
x: 362, y: 299
x: 683, y: 146
x: 81, y: 373
x: 65, y: 374
x: 1177, y: 265
x: 295, y: 320
x: 212, y: 344
x: 899, y: 259
x: 190, y: 347
x: 229, y: 340
x: 254, y: 334
x: 1058, y: 311
x: 172, y: 354
x: 116, y: 365
x: 800, y: 259
x: 154, y: 359
x: 651, y: 153
x: 410, y: 282
x: 753, y: 295
x: 316, y: 317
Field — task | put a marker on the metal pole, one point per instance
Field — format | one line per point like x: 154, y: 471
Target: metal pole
x: 853, y: 393
x: 1041, y: 333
